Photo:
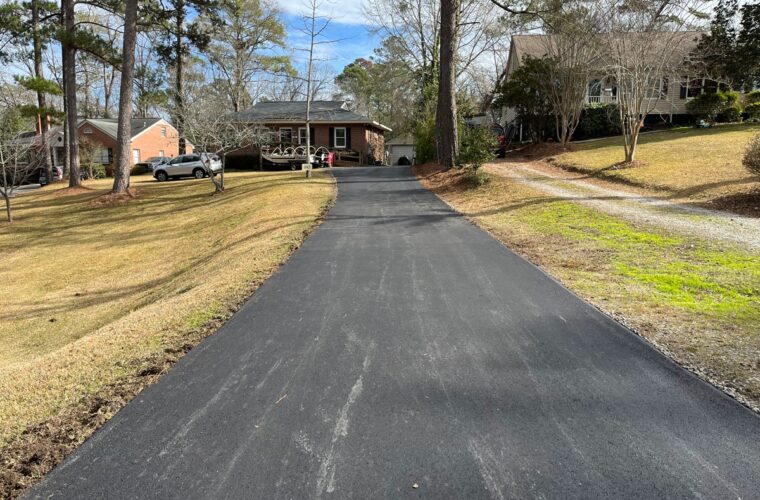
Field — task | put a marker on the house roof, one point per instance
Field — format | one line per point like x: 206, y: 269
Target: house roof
x: 539, y: 46
x: 109, y: 126
x: 295, y: 112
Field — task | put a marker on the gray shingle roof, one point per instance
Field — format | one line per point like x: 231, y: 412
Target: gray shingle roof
x: 110, y: 126
x: 295, y: 111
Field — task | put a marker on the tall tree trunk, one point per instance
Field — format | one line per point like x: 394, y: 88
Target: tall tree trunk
x: 124, y: 128
x: 446, y: 115
x: 70, y: 81
x: 44, y: 125
x: 179, y: 91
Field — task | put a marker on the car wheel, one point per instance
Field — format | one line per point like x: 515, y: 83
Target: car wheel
x: 198, y: 173
x: 161, y: 176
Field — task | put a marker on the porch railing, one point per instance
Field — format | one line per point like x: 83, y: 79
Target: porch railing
x: 601, y: 99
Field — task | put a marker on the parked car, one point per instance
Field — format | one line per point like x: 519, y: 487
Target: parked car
x: 197, y: 165
x: 151, y: 163
x: 212, y: 161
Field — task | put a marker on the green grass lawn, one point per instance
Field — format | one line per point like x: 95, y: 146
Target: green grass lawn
x: 687, y: 163
x: 698, y: 300
x: 96, y: 295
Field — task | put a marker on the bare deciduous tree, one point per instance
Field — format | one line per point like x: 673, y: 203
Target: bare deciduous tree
x: 644, y: 45
x: 17, y: 159
x: 212, y: 132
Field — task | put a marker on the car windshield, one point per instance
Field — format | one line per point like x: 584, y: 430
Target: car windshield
x: 178, y: 159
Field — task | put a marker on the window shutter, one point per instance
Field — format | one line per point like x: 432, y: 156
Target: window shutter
x: 110, y: 155
x: 348, y: 137
x: 312, y: 135
x: 684, y: 87
x: 331, y: 141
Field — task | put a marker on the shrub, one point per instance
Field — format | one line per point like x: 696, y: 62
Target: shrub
x: 732, y: 97
x: 752, y: 156
x: 598, y: 120
x: 753, y: 111
x: 477, y: 146
x: 731, y: 114
x: 424, y: 139
x: 707, y: 106
x: 752, y: 98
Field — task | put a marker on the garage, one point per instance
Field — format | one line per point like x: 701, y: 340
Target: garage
x: 398, y: 148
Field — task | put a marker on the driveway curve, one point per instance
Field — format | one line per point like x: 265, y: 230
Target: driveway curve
x: 403, y: 353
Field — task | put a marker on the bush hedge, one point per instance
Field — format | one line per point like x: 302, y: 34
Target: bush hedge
x: 753, y: 111
x: 751, y: 159
x: 707, y: 106
x: 598, y: 120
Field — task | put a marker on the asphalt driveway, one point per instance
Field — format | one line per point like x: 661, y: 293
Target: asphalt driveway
x: 402, y: 352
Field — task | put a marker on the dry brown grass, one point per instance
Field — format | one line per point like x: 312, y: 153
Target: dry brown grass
x: 697, y: 301
x: 702, y: 166
x: 97, y: 298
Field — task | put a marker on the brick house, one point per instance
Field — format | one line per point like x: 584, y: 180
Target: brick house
x: 150, y: 137
x: 333, y: 126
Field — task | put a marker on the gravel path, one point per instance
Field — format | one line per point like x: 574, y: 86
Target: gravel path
x: 683, y: 219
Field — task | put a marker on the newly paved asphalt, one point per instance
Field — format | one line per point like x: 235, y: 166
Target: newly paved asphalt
x: 401, y: 345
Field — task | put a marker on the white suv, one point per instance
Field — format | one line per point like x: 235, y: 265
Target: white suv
x: 197, y: 165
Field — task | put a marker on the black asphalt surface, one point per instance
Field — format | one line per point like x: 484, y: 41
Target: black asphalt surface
x: 403, y: 346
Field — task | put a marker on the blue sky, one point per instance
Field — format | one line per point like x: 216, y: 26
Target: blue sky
x: 348, y: 26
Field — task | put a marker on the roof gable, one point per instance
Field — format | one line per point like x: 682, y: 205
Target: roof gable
x: 110, y: 126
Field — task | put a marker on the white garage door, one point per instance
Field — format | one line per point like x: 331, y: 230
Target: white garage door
x: 397, y: 151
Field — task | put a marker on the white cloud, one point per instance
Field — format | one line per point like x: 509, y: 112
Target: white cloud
x: 341, y: 11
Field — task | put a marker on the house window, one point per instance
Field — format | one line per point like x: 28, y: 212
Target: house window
x: 691, y: 87
x: 286, y: 135
x: 135, y: 156
x: 161, y: 153
x: 87, y: 130
x: 163, y: 132
x: 104, y: 156
x: 302, y: 136
x: 340, y: 137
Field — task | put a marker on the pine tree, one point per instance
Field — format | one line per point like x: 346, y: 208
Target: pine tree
x: 124, y: 127
x: 178, y: 34
x: 446, y: 115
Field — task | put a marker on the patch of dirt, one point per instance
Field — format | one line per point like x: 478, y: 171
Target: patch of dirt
x: 112, y: 199
x: 746, y: 203
x: 627, y: 164
x: 27, y: 459
x: 540, y: 151
x: 72, y: 191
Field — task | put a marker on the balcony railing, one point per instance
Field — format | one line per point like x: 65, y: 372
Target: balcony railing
x: 601, y: 99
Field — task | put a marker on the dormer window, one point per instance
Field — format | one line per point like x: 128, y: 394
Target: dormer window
x: 87, y: 130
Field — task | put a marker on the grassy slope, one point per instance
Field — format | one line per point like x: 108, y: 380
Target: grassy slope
x: 693, y: 164
x: 697, y: 300
x: 96, y: 295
